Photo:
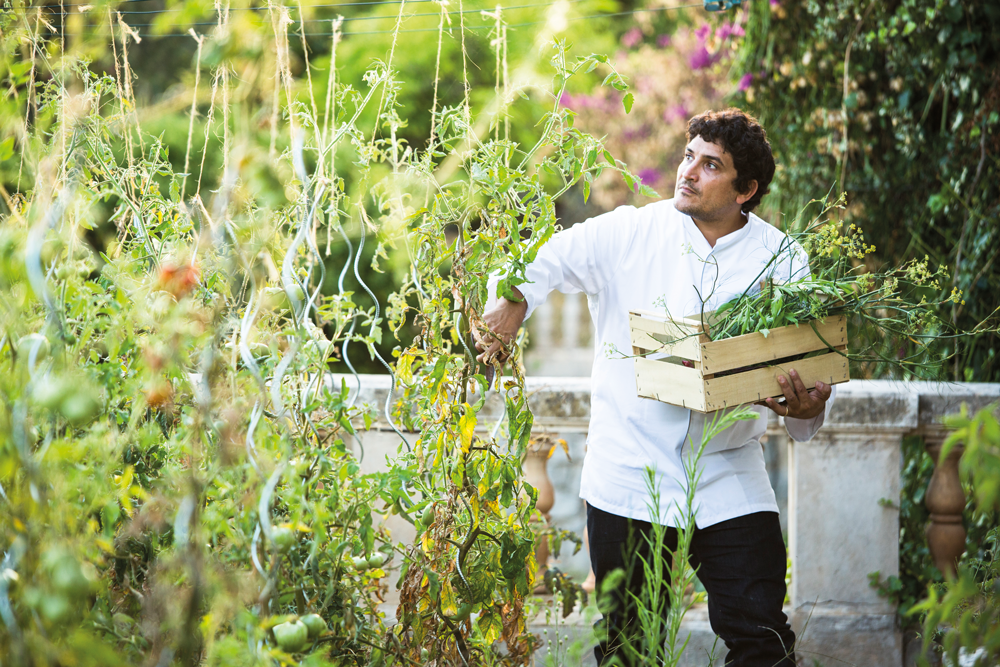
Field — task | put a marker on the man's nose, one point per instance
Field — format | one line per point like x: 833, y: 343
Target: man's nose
x: 688, y: 171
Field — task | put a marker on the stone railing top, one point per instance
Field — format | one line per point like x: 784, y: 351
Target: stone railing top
x: 564, y: 403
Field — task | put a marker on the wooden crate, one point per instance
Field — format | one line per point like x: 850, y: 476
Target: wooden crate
x: 727, y: 373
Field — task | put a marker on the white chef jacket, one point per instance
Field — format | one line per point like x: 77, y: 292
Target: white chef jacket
x: 629, y: 259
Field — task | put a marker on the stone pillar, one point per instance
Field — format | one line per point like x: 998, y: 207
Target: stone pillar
x: 843, y: 508
x: 945, y: 500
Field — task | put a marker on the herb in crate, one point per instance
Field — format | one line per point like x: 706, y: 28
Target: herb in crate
x: 895, y: 307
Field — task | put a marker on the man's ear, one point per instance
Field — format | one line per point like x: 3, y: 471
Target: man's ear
x: 744, y: 197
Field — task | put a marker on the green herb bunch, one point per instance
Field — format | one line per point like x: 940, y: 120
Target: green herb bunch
x: 896, y: 307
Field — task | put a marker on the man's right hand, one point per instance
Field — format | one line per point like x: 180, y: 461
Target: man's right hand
x: 502, y: 323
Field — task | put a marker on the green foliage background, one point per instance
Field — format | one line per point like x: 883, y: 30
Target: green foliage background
x: 898, y: 105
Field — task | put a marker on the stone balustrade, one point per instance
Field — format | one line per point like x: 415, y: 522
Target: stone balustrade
x: 843, y: 494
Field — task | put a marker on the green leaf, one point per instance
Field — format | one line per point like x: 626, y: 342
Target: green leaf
x: 627, y: 102
x: 629, y: 181
x: 6, y: 149
x: 647, y: 191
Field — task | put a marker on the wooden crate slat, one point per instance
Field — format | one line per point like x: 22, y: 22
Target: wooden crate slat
x: 656, y: 323
x: 655, y: 335
x: 761, y: 383
x: 783, y: 342
x: 687, y: 348
x: 670, y: 383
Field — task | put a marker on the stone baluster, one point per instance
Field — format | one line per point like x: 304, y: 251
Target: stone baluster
x: 537, y: 475
x: 571, y: 321
x: 945, y: 500
x: 542, y: 326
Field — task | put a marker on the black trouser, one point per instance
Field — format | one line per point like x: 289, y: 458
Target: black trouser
x: 741, y: 562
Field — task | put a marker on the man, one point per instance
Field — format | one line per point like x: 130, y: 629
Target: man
x: 693, y: 252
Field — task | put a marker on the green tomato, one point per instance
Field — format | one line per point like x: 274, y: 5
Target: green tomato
x: 273, y: 298
x: 463, y: 612
x: 55, y: 608
x: 26, y: 343
x: 315, y: 624
x: 291, y: 637
x: 359, y: 563
x: 65, y: 573
x: 49, y: 392
x: 283, y: 538
x: 377, y: 559
x: 425, y: 655
x: 427, y: 518
x: 79, y: 407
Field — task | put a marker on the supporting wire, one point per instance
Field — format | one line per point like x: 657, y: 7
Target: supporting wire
x: 354, y: 318
x: 10, y: 561
x: 375, y: 352
x: 255, y: 415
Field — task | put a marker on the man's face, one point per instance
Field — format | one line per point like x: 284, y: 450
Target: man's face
x: 705, y: 183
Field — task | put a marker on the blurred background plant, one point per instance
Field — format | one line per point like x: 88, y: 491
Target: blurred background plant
x: 897, y: 106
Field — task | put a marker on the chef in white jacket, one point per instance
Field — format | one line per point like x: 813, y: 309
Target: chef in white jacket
x: 695, y: 251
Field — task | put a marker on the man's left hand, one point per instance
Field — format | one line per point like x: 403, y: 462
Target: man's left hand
x: 799, y: 403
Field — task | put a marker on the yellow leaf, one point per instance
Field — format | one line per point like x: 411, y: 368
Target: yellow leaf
x: 466, y: 425
x: 426, y: 543
x: 125, y: 481
x: 474, y: 504
x: 449, y: 602
x: 440, y: 449
x: 562, y: 443
x: 404, y: 372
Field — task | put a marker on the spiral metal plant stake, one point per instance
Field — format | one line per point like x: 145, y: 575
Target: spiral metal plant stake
x: 392, y: 383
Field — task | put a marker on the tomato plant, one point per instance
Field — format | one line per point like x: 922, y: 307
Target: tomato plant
x: 177, y: 469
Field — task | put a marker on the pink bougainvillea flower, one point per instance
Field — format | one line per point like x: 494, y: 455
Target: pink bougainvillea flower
x: 745, y: 81
x: 567, y: 101
x: 702, y: 32
x: 727, y: 30
x: 663, y: 41
x: 632, y: 38
x: 675, y: 113
x: 649, y: 176
x: 700, y: 59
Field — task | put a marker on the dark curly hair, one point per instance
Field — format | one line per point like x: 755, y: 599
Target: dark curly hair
x: 742, y: 137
